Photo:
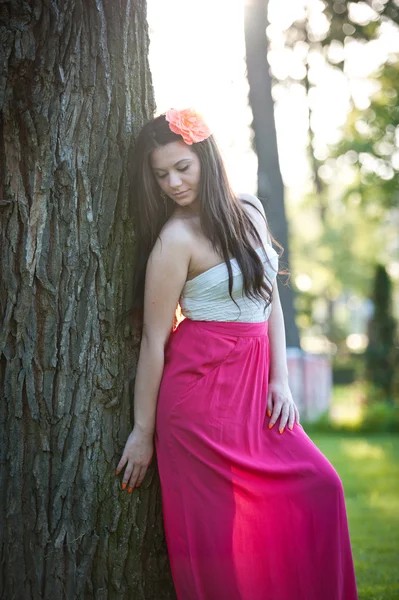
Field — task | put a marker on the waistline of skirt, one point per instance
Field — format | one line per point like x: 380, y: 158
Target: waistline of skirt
x: 235, y: 328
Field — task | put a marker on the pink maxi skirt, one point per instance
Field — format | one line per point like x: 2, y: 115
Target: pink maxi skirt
x: 249, y: 513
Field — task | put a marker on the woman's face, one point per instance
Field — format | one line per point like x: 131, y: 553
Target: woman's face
x: 177, y: 170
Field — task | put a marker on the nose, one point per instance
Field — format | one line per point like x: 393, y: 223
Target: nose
x: 175, y: 180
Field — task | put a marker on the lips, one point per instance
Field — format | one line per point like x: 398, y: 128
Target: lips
x: 181, y: 193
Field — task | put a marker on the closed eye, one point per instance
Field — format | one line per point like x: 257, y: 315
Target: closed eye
x: 181, y: 170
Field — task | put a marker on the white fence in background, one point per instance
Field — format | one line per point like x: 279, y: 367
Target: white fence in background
x: 310, y: 380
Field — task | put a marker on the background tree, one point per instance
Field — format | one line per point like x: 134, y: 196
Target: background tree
x: 381, y: 353
x: 75, y: 87
x: 270, y: 183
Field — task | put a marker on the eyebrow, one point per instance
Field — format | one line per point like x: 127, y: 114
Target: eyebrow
x: 175, y: 165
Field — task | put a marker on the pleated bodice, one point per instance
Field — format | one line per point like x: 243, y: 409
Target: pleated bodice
x: 206, y: 297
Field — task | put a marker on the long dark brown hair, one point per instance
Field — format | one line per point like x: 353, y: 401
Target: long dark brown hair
x: 223, y: 219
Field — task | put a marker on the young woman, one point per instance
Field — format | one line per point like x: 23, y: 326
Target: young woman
x: 252, y: 509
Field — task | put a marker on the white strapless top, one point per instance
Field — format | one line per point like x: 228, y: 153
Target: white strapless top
x: 206, y: 297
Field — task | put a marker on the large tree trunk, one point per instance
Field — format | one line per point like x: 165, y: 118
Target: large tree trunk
x: 270, y: 184
x: 74, y: 88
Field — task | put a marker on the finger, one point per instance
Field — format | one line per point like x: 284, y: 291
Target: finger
x: 284, y: 417
x: 121, y: 464
x: 291, y: 418
x: 269, y: 405
x: 127, y: 474
x: 141, y: 476
x: 276, y: 413
x: 297, y: 416
x: 133, y: 478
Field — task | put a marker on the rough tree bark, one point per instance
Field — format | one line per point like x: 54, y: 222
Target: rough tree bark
x: 74, y: 88
x: 270, y: 184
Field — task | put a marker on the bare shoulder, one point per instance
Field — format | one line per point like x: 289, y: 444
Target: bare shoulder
x: 256, y: 211
x: 176, y: 233
x: 171, y: 252
x: 166, y: 273
x: 256, y: 203
x: 174, y: 237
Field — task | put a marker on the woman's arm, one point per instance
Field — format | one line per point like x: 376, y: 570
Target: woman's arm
x: 279, y: 400
x: 276, y: 332
x: 166, y: 274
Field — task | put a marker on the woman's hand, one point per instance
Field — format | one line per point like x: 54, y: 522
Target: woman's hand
x: 137, y: 455
x: 280, y: 402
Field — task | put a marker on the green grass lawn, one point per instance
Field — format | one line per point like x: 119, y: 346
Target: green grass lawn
x: 369, y: 469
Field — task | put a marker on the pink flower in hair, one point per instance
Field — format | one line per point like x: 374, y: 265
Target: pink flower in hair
x: 189, y: 124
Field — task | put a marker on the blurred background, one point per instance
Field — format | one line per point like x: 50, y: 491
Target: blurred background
x: 334, y: 77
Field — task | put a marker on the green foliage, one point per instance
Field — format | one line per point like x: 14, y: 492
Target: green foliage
x: 380, y: 355
x: 380, y: 417
x: 338, y: 257
x: 342, y: 25
x: 356, y: 408
x: 369, y: 144
x: 348, y: 223
x: 347, y: 368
